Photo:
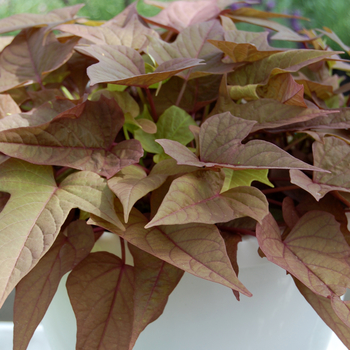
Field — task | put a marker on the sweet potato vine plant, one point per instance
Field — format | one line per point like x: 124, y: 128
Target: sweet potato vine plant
x: 179, y: 133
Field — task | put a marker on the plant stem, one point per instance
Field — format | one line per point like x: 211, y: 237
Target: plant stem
x: 236, y: 230
x: 295, y: 142
x: 281, y: 189
x: 179, y: 98
x: 342, y: 199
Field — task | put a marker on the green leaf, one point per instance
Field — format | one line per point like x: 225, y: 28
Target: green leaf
x: 36, y: 211
x: 36, y: 290
x: 173, y: 124
x: 235, y: 178
x: 196, y: 197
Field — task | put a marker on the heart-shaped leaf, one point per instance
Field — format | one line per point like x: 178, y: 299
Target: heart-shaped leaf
x: 29, y: 57
x: 104, y: 284
x: 315, y: 251
x: 36, y: 290
x: 36, y: 211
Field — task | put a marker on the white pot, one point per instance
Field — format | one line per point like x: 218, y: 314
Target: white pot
x: 202, y: 315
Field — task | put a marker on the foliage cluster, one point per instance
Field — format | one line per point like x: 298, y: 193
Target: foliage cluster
x: 180, y: 134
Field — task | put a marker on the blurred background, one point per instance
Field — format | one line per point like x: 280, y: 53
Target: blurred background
x: 332, y: 14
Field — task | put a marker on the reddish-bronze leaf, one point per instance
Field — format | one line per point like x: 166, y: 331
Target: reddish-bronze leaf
x: 155, y: 279
x: 324, y: 309
x: 125, y: 66
x: 8, y: 106
x: 81, y: 137
x: 315, y: 251
x: 290, y: 214
x: 101, y: 290
x: 29, y: 57
x: 36, y: 290
x: 27, y: 20
x: 196, y: 248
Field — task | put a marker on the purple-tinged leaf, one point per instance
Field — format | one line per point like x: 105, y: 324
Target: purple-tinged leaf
x: 8, y: 106
x: 27, y: 20
x: 283, y: 62
x: 221, y: 145
x: 315, y: 251
x: 104, y: 284
x: 342, y: 309
x: 36, y: 290
x: 197, y: 248
x: 332, y: 155
x: 196, y: 197
x: 179, y: 15
x: 269, y: 113
x: 29, y: 58
x: 134, y: 34
x: 36, y: 210
x: 125, y: 66
x: 155, y: 279
x: 77, y: 138
x: 132, y: 183
x: 324, y: 309
x: 193, y: 43
x: 290, y: 214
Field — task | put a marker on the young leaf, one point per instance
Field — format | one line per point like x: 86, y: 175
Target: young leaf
x: 36, y: 211
x: 155, y: 279
x: 197, y: 248
x: 103, y: 283
x: 173, y: 124
x: 27, y: 20
x: 29, y: 57
x: 315, y: 251
x: 132, y: 183
x: 36, y: 290
x: 77, y: 138
x: 125, y: 66
x: 333, y: 155
x: 8, y: 106
x: 196, y: 197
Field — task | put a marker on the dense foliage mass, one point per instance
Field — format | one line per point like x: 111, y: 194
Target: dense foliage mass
x: 179, y: 133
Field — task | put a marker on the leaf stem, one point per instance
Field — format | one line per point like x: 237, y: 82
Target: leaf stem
x: 151, y: 104
x: 126, y: 134
x: 295, y: 142
x: 183, y: 88
x: 342, y: 199
x: 122, y: 246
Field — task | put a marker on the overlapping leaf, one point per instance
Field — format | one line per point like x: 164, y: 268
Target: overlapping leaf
x: 36, y: 290
x: 125, y: 66
x: 220, y: 146
x: 134, y: 34
x: 155, y: 279
x: 179, y: 15
x: 283, y: 62
x: 193, y: 43
x: 27, y: 20
x: 8, y: 106
x: 37, y: 208
x: 81, y: 137
x: 195, y: 248
x: 332, y: 155
x: 103, y: 283
x: 307, y: 253
x: 196, y: 197
x: 29, y: 57
x: 324, y: 309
